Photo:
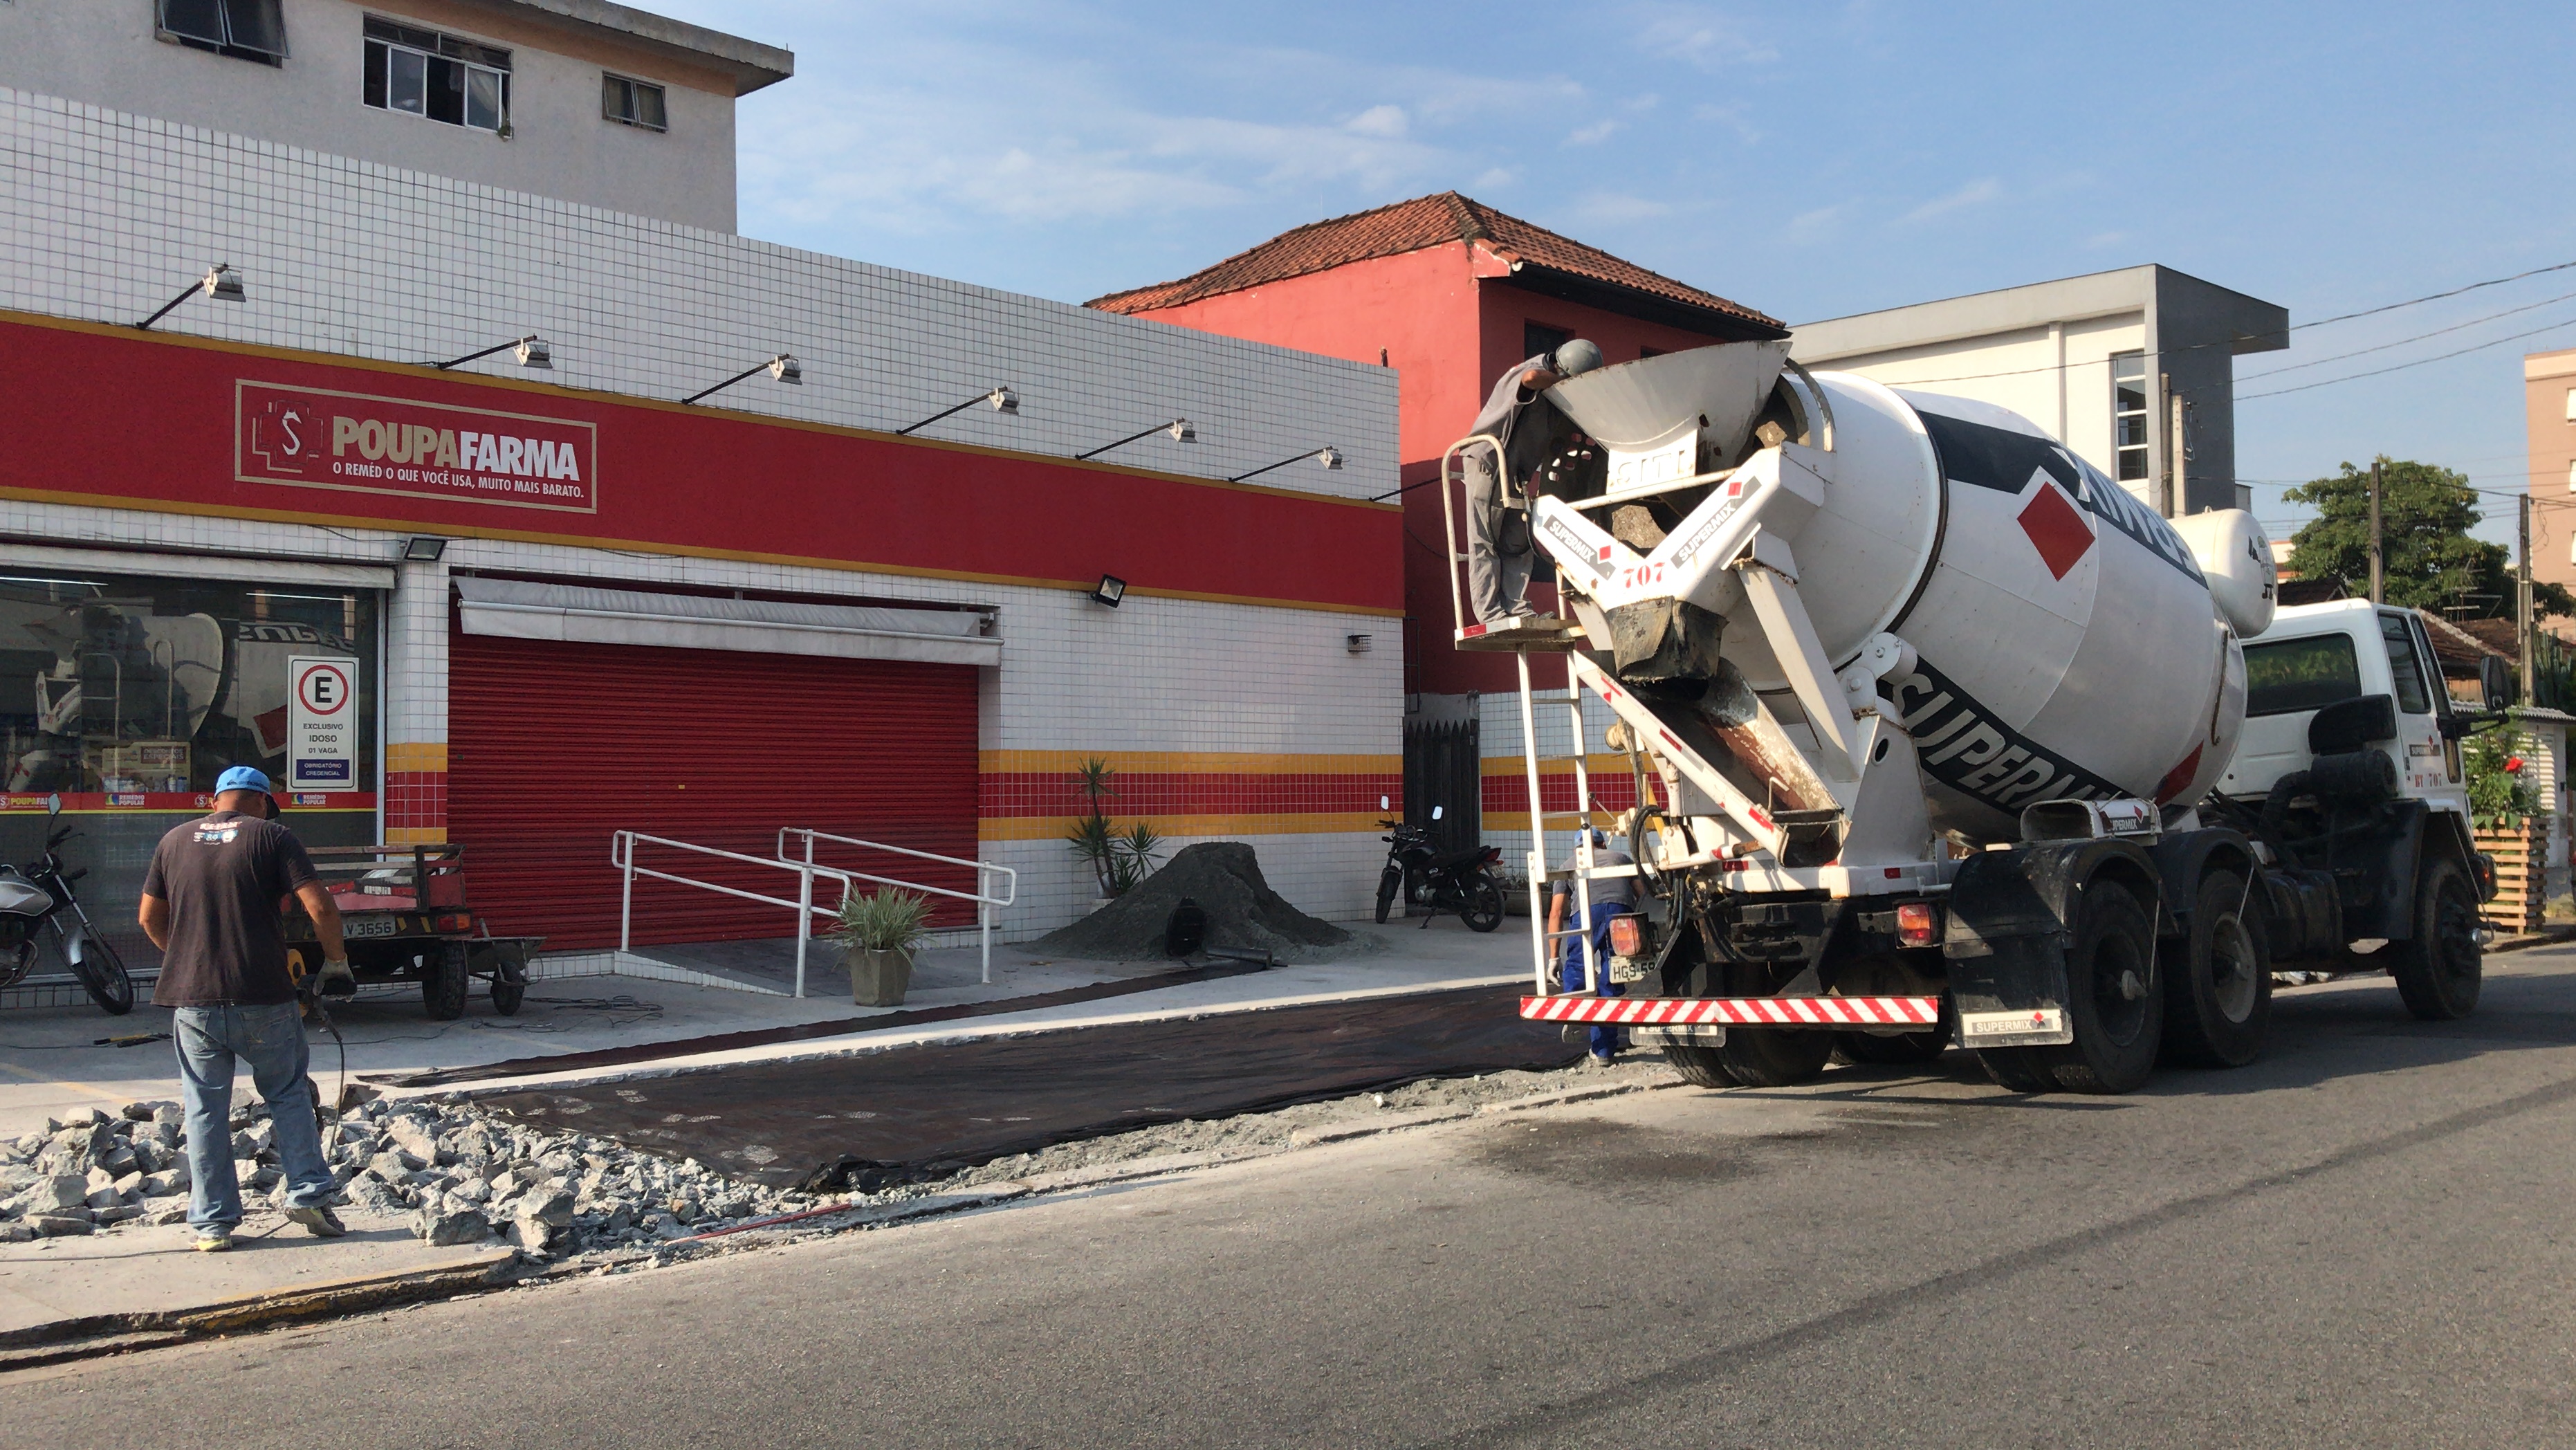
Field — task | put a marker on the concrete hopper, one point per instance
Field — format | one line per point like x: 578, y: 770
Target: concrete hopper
x: 1654, y: 414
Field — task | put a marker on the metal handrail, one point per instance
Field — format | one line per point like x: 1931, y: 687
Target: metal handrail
x: 986, y: 903
x: 621, y: 854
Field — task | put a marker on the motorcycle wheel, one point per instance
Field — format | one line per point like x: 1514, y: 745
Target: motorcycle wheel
x: 1387, y: 883
x: 102, y: 974
x: 1484, y: 906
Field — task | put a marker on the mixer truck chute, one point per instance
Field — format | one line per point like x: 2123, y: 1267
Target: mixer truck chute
x: 1937, y: 727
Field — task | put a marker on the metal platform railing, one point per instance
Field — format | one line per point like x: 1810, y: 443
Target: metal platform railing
x: 621, y: 854
x: 987, y: 877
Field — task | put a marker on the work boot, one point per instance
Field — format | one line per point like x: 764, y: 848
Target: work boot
x: 322, y: 1223
x: 215, y: 1238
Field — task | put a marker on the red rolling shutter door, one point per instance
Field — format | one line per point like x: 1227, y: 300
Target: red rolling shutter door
x: 552, y: 747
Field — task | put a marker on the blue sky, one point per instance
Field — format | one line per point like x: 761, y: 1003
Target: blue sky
x: 1810, y: 162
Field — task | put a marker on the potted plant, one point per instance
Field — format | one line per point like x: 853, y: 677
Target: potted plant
x: 878, y: 932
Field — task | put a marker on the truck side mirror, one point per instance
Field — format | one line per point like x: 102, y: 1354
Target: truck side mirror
x: 2348, y: 725
x: 2495, y: 682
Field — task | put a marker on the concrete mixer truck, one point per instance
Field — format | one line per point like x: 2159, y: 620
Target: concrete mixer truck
x: 1940, y: 738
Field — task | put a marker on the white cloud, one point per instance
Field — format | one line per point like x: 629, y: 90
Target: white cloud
x: 1614, y: 206
x: 1386, y: 121
x: 1594, y: 134
x: 1821, y: 224
x: 1701, y: 35
x: 1975, y: 193
x: 1494, y: 178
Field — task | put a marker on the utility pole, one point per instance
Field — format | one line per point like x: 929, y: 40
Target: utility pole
x: 2523, y: 633
x: 2378, y: 565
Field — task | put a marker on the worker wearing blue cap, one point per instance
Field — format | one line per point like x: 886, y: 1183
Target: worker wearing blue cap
x: 211, y: 903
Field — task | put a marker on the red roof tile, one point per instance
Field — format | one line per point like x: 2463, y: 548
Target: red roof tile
x: 1410, y: 226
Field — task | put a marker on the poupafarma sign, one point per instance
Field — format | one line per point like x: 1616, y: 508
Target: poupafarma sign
x: 313, y: 438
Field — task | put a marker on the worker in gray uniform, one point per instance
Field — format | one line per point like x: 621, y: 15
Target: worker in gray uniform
x: 1498, y: 538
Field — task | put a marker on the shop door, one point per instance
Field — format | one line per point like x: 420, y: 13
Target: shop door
x: 553, y: 747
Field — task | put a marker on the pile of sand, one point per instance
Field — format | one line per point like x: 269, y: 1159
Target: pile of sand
x: 1243, y: 914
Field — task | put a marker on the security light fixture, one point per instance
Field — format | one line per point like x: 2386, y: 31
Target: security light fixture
x: 1110, y: 590
x: 1331, y: 458
x: 423, y: 549
x: 783, y: 367
x: 532, y: 353
x: 1179, y: 428
x: 221, y: 283
x: 1002, y: 399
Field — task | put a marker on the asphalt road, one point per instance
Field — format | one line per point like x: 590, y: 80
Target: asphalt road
x: 2363, y: 1240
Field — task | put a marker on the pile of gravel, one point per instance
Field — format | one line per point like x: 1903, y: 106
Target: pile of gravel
x: 461, y: 1175
x: 1243, y: 914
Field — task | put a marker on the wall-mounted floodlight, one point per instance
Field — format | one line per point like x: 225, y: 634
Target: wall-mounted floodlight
x: 423, y: 549
x: 1331, y: 458
x: 221, y: 283
x: 1002, y: 399
x: 1110, y: 590
x: 1358, y: 644
x: 532, y: 351
x: 1179, y: 428
x: 783, y: 367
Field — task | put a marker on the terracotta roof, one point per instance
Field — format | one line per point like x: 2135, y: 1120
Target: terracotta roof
x: 2466, y: 641
x: 2292, y: 590
x: 1431, y: 221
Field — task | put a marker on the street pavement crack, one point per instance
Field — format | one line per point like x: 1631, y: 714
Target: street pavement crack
x: 1717, y: 1364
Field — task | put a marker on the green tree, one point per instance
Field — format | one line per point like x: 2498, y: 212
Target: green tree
x: 2425, y: 514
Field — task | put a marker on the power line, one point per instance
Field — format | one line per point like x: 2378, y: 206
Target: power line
x: 2419, y: 362
x: 2401, y: 342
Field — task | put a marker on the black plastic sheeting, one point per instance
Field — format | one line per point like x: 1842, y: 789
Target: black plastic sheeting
x: 917, y: 1113
x: 803, y: 1031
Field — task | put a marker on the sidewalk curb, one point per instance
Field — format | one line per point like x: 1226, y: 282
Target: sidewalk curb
x: 94, y: 1335
x: 2545, y: 937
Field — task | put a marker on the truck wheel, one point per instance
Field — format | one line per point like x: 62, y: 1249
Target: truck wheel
x: 2017, y: 1069
x: 2114, y: 1001
x: 1388, y: 881
x: 2219, y: 1005
x: 1699, y: 1066
x: 443, y: 984
x: 508, y: 996
x: 2439, y: 972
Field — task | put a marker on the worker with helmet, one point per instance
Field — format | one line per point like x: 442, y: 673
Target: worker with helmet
x: 1614, y: 897
x: 1499, y: 549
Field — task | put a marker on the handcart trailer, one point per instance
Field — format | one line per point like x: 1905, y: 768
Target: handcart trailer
x: 404, y: 915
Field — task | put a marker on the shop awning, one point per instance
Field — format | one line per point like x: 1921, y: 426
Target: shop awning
x: 239, y: 568
x: 520, y: 609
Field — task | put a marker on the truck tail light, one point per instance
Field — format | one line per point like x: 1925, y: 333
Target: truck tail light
x: 1627, y: 936
x: 457, y: 922
x: 1918, y: 924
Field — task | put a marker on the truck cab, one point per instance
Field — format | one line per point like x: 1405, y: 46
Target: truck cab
x: 2317, y: 655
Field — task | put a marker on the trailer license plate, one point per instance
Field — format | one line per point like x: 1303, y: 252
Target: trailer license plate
x: 2037, y: 1024
x: 367, y: 926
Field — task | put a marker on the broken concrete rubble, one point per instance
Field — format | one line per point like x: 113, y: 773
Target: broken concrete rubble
x: 452, y: 1173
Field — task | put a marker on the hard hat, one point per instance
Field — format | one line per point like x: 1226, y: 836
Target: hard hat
x: 1576, y: 358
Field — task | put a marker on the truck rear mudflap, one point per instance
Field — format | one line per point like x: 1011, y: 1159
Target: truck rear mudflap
x: 1840, y: 1013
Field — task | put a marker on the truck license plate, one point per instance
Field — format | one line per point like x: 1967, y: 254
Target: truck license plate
x: 367, y: 926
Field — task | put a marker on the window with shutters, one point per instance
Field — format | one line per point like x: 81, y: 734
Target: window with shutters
x: 243, y: 29
x: 436, y: 77
x: 634, y: 102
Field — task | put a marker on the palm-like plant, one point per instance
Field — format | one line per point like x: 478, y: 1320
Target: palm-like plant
x: 1118, y: 859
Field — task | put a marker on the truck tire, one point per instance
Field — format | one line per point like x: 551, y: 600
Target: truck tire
x: 443, y: 982
x: 2219, y: 1004
x: 2440, y: 971
x: 1770, y: 1057
x: 2017, y: 1069
x: 2115, y: 1003
x: 1699, y: 1066
x: 1388, y: 882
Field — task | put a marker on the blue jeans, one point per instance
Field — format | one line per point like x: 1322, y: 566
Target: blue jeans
x: 271, y: 1040
x: 1605, y: 1040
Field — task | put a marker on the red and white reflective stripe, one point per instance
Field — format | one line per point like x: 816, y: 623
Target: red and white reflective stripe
x: 1737, y: 1011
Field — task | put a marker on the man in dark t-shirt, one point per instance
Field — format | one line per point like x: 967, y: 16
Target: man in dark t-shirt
x: 212, y: 901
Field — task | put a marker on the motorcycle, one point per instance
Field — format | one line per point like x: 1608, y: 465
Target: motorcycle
x: 1459, y: 882
x: 38, y: 897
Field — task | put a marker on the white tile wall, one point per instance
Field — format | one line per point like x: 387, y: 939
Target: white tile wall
x: 106, y: 215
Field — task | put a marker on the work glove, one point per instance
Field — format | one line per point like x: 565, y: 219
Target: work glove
x: 338, y: 980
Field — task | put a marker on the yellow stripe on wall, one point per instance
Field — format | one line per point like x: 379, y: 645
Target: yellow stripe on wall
x: 1054, y: 828
x: 1184, y: 762
x: 416, y: 755
x: 1494, y: 765
x: 1520, y: 821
